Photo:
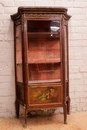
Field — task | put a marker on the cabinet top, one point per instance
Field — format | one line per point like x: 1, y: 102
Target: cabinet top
x: 39, y: 10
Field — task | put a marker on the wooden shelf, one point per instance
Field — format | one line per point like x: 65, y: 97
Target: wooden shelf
x: 44, y: 81
x: 44, y: 34
x: 44, y: 62
x: 19, y: 64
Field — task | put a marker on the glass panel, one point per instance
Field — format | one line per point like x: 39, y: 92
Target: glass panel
x: 41, y: 50
x: 43, y: 26
x: 46, y: 72
x: 66, y: 54
x: 44, y: 51
x: 19, y: 54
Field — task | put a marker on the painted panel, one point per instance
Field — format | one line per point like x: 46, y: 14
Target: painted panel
x: 44, y: 94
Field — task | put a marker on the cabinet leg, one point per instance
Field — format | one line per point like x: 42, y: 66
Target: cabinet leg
x: 68, y: 106
x: 25, y: 117
x: 65, y: 113
x: 17, y: 108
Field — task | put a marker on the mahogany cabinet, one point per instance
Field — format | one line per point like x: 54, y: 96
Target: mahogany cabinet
x: 41, y: 59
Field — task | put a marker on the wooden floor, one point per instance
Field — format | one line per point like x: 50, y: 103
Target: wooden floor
x: 75, y: 121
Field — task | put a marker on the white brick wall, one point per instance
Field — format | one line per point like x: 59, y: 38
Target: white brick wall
x: 77, y: 52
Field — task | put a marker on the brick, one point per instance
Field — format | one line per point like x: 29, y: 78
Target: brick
x: 72, y: 95
x: 83, y: 69
x: 76, y: 62
x: 5, y: 30
x: 84, y: 10
x: 79, y: 17
x: 6, y: 3
x: 24, y: 3
x: 79, y: 4
x: 1, y: 37
x: 75, y: 49
x: 7, y: 99
x: 85, y: 75
x: 76, y: 76
x: 44, y: 3
x: 84, y: 49
x: 72, y: 90
x: 73, y: 11
x: 85, y: 81
x: 84, y: 36
x: 79, y: 88
x: 85, y: 23
x: 75, y: 56
x: 73, y: 109
x: 75, y: 23
x: 84, y: 108
x: 76, y: 36
x: 78, y: 100
x: 4, y: 86
x: 7, y: 92
x: 81, y: 29
x: 1, y: 23
x: 77, y: 43
x: 85, y: 62
x: 4, y: 16
x: 76, y: 82
x: 7, y: 58
x: 74, y: 69
x: 10, y: 10
x: 6, y: 79
x: 3, y: 65
x: 82, y: 99
x: 79, y: 108
x: 7, y: 22
x: 72, y: 28
x: 6, y: 51
x: 8, y: 72
x: 6, y: 44
x: 8, y: 37
x: 85, y: 88
x: 79, y: 94
x: 63, y: 3
x: 1, y: 10
x: 82, y: 105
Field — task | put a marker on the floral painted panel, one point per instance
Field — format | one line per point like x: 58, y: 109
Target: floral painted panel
x: 43, y: 95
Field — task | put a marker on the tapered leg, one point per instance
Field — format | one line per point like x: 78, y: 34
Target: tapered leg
x: 65, y: 113
x: 25, y: 116
x: 68, y: 106
x: 17, y: 108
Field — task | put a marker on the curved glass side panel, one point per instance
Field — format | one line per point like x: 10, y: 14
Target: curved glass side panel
x: 19, y: 71
x: 66, y: 53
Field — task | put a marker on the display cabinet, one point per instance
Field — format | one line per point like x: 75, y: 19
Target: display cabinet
x: 41, y: 59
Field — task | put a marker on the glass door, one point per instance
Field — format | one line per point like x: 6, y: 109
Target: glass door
x: 44, y: 57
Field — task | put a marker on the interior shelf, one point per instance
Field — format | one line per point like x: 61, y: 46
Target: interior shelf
x: 43, y: 34
x: 45, y: 81
x: 44, y: 62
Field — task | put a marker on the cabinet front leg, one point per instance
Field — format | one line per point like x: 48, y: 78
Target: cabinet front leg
x: 68, y: 106
x: 25, y: 116
x: 17, y: 108
x: 65, y: 113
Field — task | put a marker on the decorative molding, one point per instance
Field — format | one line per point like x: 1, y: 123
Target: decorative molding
x: 37, y: 15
